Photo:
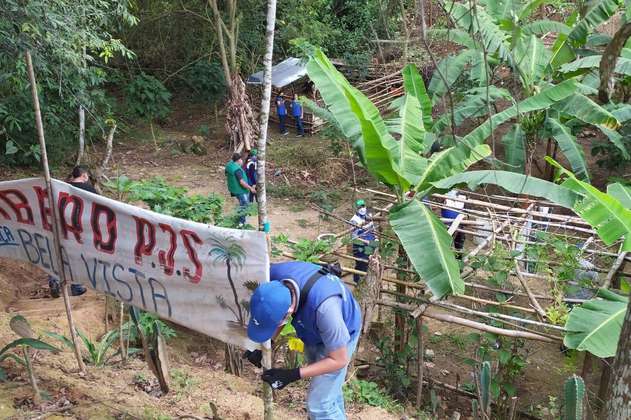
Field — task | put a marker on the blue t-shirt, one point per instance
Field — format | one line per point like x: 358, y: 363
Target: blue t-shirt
x: 331, y: 326
x: 280, y: 106
x: 296, y: 109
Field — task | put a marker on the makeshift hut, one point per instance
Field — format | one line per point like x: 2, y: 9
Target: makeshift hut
x: 290, y: 77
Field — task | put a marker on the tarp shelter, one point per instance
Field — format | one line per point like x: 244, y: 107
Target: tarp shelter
x: 283, y: 74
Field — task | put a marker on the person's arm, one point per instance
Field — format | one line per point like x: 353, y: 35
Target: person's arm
x: 333, y: 361
x: 243, y: 182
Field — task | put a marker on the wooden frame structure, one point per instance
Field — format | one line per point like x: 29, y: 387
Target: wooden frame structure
x: 490, y: 221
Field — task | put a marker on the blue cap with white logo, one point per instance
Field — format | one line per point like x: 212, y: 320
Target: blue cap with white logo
x: 268, y: 307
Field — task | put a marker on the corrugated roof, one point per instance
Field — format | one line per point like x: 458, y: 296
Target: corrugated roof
x: 283, y: 73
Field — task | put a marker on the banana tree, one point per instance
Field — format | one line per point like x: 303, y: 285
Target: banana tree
x: 495, y: 33
x: 394, y: 151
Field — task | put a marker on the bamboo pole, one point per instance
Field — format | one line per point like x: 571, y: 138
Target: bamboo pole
x: 441, y: 316
x: 260, y: 184
x: 54, y: 211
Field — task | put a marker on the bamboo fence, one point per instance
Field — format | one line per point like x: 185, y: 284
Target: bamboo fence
x: 491, y: 222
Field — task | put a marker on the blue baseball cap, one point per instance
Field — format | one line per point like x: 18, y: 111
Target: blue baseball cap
x: 268, y: 307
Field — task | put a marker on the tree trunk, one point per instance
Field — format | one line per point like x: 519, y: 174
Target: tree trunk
x: 261, y: 193
x: 367, y: 291
x: 222, y: 46
x: 608, y: 62
x: 109, y: 141
x: 619, y: 403
x: 81, y: 134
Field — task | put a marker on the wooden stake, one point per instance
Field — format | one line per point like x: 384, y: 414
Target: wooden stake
x: 54, y: 211
x: 420, y: 358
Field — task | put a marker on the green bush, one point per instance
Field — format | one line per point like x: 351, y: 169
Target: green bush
x: 206, y: 81
x: 147, y: 98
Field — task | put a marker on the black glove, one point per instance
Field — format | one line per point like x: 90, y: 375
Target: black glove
x: 254, y: 357
x: 280, y: 378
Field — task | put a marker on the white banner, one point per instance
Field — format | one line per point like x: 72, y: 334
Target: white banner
x: 190, y: 273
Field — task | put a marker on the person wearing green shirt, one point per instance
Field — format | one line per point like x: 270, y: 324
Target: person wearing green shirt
x: 238, y: 184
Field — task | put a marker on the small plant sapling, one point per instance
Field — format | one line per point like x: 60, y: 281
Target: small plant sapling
x: 27, y: 341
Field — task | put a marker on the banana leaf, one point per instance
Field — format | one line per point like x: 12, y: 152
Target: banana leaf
x: 599, y: 13
x: 414, y: 85
x: 448, y: 71
x: 562, y: 52
x: 381, y: 150
x: 332, y: 86
x: 529, y: 8
x: 531, y: 58
x: 542, y: 27
x: 473, y: 105
x: 428, y: 246
x: 455, y: 35
x: 621, y: 192
x: 411, y: 141
x: 514, y: 183
x: 449, y: 162
x: 515, y: 149
x: 595, y: 325
x: 605, y: 214
x: 542, y: 100
x: 583, y: 108
x: 623, y: 65
x: 569, y: 147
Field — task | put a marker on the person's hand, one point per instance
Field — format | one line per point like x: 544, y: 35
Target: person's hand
x: 280, y: 378
x: 253, y: 190
x: 254, y: 357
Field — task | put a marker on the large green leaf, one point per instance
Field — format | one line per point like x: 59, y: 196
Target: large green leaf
x: 448, y: 71
x: 331, y: 85
x: 623, y: 65
x: 411, y: 141
x: 562, y: 52
x: 473, y: 105
x: 542, y: 100
x: 601, y: 11
x: 531, y: 58
x: 414, y: 85
x: 428, y: 246
x: 605, y: 214
x: 621, y: 192
x: 380, y: 148
x: 542, y: 27
x: 528, y: 8
x: 450, y: 162
x: 569, y: 147
x: 514, y: 142
x: 457, y: 36
x: 514, y: 183
x: 583, y: 108
x: 595, y: 325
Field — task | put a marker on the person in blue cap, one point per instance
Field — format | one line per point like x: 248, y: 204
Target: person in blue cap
x: 326, y: 318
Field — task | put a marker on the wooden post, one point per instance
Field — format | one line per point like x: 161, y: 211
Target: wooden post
x: 261, y: 193
x: 54, y: 211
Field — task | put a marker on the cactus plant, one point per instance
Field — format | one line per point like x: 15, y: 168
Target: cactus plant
x: 485, y: 387
x: 574, y: 393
